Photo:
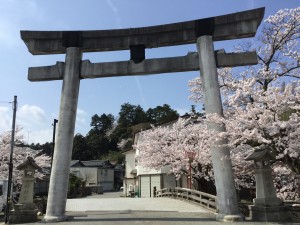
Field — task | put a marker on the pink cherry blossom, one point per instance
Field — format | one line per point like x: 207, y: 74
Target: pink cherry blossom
x: 20, y: 154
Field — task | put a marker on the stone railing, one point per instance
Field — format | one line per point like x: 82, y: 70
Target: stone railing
x: 205, y: 200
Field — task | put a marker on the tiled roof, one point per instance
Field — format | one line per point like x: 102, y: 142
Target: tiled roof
x: 76, y: 163
x: 97, y: 163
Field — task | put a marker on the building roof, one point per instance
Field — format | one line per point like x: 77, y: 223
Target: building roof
x: 97, y: 163
x: 127, y: 151
x: 76, y: 163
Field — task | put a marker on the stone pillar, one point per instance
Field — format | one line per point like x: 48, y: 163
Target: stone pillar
x: 226, y: 192
x: 267, y: 206
x: 265, y: 190
x: 59, y: 179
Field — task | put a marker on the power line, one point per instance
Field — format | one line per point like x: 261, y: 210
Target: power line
x: 12, y: 103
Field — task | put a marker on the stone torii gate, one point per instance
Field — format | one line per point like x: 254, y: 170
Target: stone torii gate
x: 202, y: 32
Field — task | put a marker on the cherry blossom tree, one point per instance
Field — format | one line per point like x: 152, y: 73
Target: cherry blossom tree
x: 261, y: 110
x: 278, y: 52
x: 270, y: 121
x: 167, y: 146
x: 20, y: 154
x: 262, y: 102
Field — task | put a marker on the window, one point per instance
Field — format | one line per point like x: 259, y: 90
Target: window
x: 106, y: 172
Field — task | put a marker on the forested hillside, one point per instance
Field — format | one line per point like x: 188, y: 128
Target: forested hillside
x: 107, y: 130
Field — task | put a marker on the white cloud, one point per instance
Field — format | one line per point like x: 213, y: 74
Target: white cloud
x: 81, y: 116
x: 39, y: 136
x: 6, y: 119
x: 31, y: 116
x: 32, y: 119
x: 36, y: 124
x: 82, y: 125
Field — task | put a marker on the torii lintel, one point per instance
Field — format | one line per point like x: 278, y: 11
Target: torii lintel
x: 232, y: 26
x: 186, y: 63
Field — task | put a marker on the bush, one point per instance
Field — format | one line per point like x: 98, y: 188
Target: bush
x: 75, y: 186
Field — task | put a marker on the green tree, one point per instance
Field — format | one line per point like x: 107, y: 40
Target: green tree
x: 101, y: 141
x: 47, y: 148
x: 114, y: 156
x: 75, y: 186
x: 129, y: 115
x: 81, y: 149
x: 102, y: 124
x: 98, y: 143
x: 98, y: 138
x: 161, y: 114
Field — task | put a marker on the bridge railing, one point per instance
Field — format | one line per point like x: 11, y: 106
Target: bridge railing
x: 205, y: 200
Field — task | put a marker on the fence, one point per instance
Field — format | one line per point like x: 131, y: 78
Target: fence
x: 205, y: 200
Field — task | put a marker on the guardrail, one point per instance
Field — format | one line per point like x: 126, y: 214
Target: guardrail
x: 207, y: 201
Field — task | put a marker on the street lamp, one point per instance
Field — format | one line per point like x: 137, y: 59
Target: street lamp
x: 191, y: 156
x: 53, y: 139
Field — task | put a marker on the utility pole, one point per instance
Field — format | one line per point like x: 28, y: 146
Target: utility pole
x: 10, y: 164
x: 53, y: 139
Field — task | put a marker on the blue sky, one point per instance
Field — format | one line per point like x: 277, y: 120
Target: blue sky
x: 38, y: 102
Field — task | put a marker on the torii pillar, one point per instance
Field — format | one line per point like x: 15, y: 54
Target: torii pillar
x: 222, y: 167
x: 58, y: 189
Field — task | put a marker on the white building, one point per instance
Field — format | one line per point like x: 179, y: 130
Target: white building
x: 130, y: 179
x: 94, y: 172
x: 142, y: 181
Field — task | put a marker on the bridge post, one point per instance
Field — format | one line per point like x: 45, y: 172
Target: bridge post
x: 58, y: 188
x: 226, y: 193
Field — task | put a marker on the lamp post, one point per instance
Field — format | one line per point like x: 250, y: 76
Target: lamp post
x: 53, y: 139
x: 191, y: 156
x: 267, y: 206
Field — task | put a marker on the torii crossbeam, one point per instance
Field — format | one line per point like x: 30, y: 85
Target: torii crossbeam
x: 202, y: 32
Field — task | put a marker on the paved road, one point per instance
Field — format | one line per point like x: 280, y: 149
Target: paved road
x: 110, y: 209
x: 149, y: 218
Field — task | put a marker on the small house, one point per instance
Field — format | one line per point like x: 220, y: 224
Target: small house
x: 94, y: 172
